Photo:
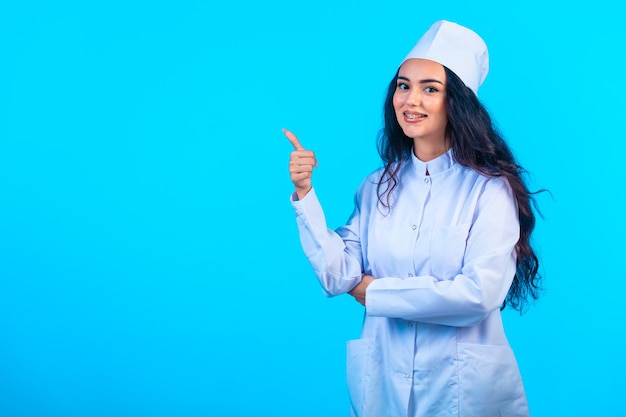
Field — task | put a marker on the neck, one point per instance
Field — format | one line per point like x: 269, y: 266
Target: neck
x: 426, y: 150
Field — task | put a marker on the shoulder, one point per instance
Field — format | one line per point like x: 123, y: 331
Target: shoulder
x: 479, y: 187
x: 374, y: 178
x: 483, y: 179
x: 369, y: 185
x: 492, y: 189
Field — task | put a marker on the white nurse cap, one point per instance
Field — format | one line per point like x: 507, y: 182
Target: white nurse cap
x: 456, y: 47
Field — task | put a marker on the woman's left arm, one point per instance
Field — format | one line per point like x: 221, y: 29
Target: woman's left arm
x: 486, y: 273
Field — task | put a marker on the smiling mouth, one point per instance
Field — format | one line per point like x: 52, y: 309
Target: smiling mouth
x: 414, y: 116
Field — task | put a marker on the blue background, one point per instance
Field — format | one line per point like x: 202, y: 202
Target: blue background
x: 149, y: 258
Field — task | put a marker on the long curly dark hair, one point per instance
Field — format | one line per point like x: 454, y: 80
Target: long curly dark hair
x: 475, y: 144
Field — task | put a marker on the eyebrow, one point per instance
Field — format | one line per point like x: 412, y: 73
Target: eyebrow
x: 428, y: 80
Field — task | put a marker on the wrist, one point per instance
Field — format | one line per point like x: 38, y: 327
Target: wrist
x: 302, y: 192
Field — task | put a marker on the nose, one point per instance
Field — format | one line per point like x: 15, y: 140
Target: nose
x: 415, y: 97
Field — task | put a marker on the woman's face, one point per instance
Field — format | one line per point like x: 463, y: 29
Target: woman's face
x: 420, y: 100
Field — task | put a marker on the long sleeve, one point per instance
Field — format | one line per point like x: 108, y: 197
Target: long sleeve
x: 487, y: 268
x: 334, y: 255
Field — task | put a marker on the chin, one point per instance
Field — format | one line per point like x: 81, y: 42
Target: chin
x: 411, y: 133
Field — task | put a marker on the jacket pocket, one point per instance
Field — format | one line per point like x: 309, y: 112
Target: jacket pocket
x: 447, y: 249
x: 489, y: 382
x: 364, y: 378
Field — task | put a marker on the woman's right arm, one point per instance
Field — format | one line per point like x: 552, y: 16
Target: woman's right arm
x: 334, y: 255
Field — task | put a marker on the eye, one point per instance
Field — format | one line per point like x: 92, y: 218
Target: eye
x: 403, y: 86
x: 431, y: 89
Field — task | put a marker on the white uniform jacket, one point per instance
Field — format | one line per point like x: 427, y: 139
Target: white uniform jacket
x: 432, y: 342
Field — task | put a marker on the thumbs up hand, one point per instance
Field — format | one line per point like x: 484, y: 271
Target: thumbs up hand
x: 301, y: 163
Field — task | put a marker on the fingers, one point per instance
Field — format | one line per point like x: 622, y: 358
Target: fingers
x: 299, y: 152
x: 359, y: 298
x: 301, y: 170
x: 294, y: 140
x: 359, y: 292
x: 302, y: 158
x: 301, y: 164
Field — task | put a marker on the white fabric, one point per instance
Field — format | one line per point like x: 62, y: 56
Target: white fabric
x: 456, y: 47
x: 432, y: 340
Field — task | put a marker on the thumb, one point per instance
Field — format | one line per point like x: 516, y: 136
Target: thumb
x: 294, y: 140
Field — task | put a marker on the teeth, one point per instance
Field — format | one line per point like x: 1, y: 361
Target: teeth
x: 413, y: 116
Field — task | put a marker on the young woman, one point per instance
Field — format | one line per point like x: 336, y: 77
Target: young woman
x: 437, y: 245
